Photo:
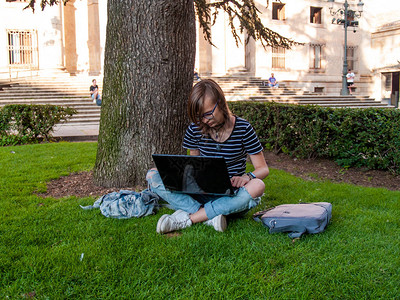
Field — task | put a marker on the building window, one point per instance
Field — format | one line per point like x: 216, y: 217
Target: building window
x: 22, y: 47
x: 316, y: 56
x: 315, y: 15
x: 386, y: 85
x: 352, y: 58
x: 278, y: 58
x: 278, y: 11
x: 387, y: 81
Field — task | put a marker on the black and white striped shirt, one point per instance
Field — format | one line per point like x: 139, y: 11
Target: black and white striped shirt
x: 242, y: 141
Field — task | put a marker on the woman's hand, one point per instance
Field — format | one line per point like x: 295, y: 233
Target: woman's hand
x: 239, y: 181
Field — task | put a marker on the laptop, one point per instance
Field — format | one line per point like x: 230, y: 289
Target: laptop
x: 188, y: 174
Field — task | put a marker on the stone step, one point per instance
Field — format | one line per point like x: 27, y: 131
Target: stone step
x: 335, y: 104
x: 29, y: 91
x: 88, y: 112
x: 61, y: 101
x: 310, y: 100
x: 316, y: 101
x: 45, y: 97
x: 90, y: 106
x: 85, y: 120
x: 256, y: 91
x: 297, y: 98
x: 41, y: 88
x: 52, y: 85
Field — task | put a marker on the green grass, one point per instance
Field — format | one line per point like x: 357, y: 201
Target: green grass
x: 42, y: 241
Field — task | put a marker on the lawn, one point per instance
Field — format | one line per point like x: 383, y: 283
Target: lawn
x: 52, y: 249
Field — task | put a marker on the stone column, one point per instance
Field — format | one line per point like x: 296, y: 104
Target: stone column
x: 205, y: 55
x: 71, y: 57
x: 250, y: 55
x: 94, y: 38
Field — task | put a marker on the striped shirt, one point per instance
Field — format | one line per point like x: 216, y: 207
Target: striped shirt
x: 242, y: 141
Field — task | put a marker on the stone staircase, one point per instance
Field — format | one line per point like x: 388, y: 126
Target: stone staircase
x: 73, y: 91
x: 239, y: 88
x: 60, y: 90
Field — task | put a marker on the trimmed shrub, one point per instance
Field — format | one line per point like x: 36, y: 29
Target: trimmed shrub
x: 22, y: 123
x: 352, y: 137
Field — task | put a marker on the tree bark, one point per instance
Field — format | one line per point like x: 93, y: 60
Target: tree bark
x: 148, y: 74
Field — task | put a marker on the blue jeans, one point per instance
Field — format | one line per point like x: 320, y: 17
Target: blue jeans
x: 213, y: 205
x: 98, y: 99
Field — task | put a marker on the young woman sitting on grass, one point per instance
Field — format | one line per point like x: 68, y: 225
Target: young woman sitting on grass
x: 215, y: 131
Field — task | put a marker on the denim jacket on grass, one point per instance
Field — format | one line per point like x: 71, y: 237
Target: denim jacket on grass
x: 126, y: 204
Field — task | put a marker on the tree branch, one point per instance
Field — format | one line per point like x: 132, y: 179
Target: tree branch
x: 44, y: 3
x: 244, y: 11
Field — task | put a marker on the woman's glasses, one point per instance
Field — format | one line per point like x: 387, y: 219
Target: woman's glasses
x: 210, y: 115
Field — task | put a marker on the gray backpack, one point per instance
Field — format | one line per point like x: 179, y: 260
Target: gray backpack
x: 296, y: 218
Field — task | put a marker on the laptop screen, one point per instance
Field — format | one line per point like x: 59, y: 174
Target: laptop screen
x: 194, y: 174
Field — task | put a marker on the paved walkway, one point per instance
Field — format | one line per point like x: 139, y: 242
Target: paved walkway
x: 77, y: 132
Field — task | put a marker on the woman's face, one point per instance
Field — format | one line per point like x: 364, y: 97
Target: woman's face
x: 212, y: 115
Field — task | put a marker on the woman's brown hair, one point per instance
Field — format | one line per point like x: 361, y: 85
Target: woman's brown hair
x: 206, y: 88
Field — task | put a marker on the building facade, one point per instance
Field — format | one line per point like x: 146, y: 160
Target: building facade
x: 72, y: 38
x: 317, y: 64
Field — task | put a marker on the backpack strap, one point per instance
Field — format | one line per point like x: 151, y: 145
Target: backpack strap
x: 257, y: 216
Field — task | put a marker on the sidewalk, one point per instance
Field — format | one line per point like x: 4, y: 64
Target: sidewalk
x: 76, y: 132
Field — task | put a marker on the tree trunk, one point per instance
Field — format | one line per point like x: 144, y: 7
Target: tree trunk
x: 148, y: 74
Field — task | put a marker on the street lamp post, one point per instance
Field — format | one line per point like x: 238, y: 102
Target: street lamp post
x: 347, y: 20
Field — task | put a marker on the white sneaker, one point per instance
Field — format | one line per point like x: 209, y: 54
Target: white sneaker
x: 178, y: 220
x: 218, y: 222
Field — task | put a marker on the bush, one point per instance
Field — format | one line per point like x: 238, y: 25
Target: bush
x: 350, y: 136
x: 22, y: 123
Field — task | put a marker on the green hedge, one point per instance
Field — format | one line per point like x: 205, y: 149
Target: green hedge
x: 368, y: 137
x: 22, y: 123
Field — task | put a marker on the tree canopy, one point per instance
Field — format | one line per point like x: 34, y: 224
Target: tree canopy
x: 244, y: 11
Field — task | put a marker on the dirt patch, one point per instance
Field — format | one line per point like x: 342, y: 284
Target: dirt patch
x: 322, y: 169
x: 82, y: 185
x: 77, y: 184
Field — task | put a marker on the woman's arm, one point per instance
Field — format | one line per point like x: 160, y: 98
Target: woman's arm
x: 194, y: 152
x: 261, y: 171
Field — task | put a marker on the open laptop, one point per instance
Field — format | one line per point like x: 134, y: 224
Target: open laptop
x: 194, y: 174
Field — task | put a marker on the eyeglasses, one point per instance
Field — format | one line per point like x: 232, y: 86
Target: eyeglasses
x: 210, y: 115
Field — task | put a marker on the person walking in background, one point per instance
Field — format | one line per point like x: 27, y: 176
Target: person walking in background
x: 350, y: 80
x: 94, y: 93
x: 272, y: 82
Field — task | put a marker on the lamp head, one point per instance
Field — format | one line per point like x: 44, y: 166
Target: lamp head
x: 331, y: 3
x: 360, y: 6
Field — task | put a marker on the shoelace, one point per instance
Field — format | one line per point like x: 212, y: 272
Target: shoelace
x: 182, y: 223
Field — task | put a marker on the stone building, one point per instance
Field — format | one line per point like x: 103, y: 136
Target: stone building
x: 72, y: 38
x: 385, y: 46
